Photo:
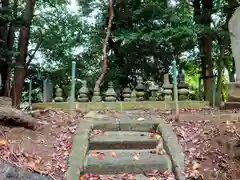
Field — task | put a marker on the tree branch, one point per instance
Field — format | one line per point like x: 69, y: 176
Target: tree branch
x: 34, y: 52
x: 105, y: 44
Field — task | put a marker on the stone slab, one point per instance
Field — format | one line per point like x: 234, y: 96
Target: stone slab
x: 122, y: 176
x: 135, y: 125
x: 78, y: 152
x: 120, y: 105
x: 173, y: 148
x: 127, y: 161
x: 112, y: 125
x: 123, y: 140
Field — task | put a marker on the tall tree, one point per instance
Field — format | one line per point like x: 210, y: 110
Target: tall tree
x: 3, y: 43
x: 20, y: 68
x: 105, y: 45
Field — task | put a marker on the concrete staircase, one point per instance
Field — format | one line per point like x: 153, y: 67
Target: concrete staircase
x: 110, y: 147
x: 117, y: 152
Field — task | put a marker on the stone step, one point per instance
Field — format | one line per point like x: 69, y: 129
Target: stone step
x: 128, y: 161
x: 123, y: 140
x: 123, y: 176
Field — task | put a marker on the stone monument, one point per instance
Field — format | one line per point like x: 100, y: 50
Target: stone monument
x: 233, y: 100
x: 153, y: 88
x: 126, y: 93
x: 58, y: 94
x: 47, y: 90
x: 182, y: 86
x: 83, y: 92
x: 167, y: 88
x: 96, y: 95
x: 140, y: 89
x: 110, y: 94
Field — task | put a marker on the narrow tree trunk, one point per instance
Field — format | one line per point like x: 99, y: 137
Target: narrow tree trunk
x: 3, y: 47
x: 10, y: 43
x: 20, y: 64
x: 207, y: 6
x: 105, y: 44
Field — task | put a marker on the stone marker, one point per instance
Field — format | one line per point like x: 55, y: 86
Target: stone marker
x: 47, y: 90
x: 110, y: 94
x: 167, y: 88
x: 234, y: 87
x: 83, y: 92
x: 59, y: 94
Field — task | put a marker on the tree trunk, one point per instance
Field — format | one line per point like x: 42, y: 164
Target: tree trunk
x: 3, y: 48
x: 10, y: 43
x: 203, y: 16
x: 207, y: 64
x: 20, y: 64
x: 105, y: 44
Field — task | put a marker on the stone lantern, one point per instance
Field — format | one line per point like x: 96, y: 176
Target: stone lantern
x: 110, y: 94
x: 83, y: 92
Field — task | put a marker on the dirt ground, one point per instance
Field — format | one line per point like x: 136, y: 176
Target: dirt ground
x: 45, y: 150
x: 206, y: 136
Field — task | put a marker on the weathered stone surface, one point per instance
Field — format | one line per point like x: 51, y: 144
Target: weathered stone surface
x: 123, y: 140
x: 137, y: 125
x: 127, y: 161
x: 171, y: 145
x: 11, y: 172
x: 95, y: 115
x: 234, y: 29
x: 77, y: 155
x: 124, y: 105
x: 119, y: 177
x: 107, y: 125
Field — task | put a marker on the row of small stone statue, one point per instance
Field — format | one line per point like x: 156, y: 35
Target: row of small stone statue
x: 138, y: 94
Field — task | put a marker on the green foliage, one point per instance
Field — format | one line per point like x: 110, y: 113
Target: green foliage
x: 145, y: 37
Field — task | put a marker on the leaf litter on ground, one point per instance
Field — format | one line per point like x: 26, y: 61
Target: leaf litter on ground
x: 45, y: 150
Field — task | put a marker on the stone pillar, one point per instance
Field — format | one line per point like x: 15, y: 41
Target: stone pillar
x: 233, y: 100
x: 110, y: 95
x: 140, y: 89
x: 83, y: 92
x: 59, y: 94
x: 47, y: 90
x: 167, y: 88
x: 182, y: 87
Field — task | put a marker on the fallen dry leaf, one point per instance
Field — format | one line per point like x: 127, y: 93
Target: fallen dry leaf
x: 3, y: 142
x: 140, y: 119
x: 154, y: 135
x: 196, y: 166
x: 114, y: 154
x: 136, y: 156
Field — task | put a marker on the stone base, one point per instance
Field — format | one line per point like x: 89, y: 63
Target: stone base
x: 231, y: 105
x: 233, y: 100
